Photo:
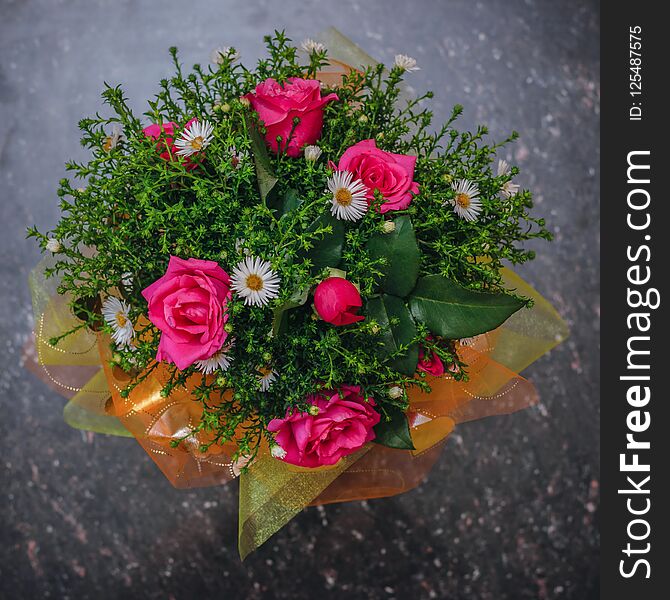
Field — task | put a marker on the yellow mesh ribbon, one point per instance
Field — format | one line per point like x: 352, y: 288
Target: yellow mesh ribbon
x: 72, y: 366
x: 273, y: 492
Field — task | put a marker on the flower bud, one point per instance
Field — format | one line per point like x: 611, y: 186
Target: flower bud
x: 54, y: 246
x: 312, y: 153
x: 388, y: 227
x: 395, y: 392
x: 337, y: 301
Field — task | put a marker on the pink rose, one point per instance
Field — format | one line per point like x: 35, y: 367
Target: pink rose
x: 337, y: 300
x: 278, y: 105
x: 164, y: 134
x: 430, y: 362
x: 391, y: 174
x: 342, y: 426
x: 189, y: 305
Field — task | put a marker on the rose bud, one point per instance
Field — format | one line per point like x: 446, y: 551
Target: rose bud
x: 337, y: 301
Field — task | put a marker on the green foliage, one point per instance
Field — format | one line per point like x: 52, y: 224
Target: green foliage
x: 399, y: 331
x: 126, y: 210
x: 393, y: 431
x: 401, y: 257
x: 454, y: 312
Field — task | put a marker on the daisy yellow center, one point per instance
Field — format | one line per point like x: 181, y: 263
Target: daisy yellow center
x: 121, y: 319
x: 254, y: 283
x: 107, y: 146
x: 463, y: 200
x: 197, y: 142
x: 343, y: 197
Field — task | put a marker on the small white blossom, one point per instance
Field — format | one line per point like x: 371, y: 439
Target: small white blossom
x: 53, y: 245
x: 310, y: 46
x: 237, y: 157
x: 312, y: 153
x: 219, y: 361
x: 255, y: 280
x: 196, y: 137
x: 395, y: 392
x: 278, y: 452
x: 349, y: 196
x: 112, y: 140
x: 220, y: 54
x: 466, y: 202
x: 388, y: 227
x: 406, y: 63
x: 115, y: 312
x: 508, y: 188
x: 266, y: 378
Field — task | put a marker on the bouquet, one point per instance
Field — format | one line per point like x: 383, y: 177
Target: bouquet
x: 289, y: 275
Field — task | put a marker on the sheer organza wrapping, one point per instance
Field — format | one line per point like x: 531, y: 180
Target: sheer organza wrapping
x: 272, y: 492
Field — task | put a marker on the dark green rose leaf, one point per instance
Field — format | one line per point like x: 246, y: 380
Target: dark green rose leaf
x: 455, y: 312
x: 394, y: 433
x: 327, y: 251
x: 395, y: 319
x: 280, y: 313
x: 290, y: 202
x: 264, y: 170
x: 402, y: 254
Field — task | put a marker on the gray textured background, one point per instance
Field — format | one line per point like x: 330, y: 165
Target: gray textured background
x: 511, y: 509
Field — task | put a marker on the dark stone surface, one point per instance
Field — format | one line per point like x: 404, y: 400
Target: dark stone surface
x: 511, y: 509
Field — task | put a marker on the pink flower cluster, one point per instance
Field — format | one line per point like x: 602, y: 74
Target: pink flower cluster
x: 189, y: 304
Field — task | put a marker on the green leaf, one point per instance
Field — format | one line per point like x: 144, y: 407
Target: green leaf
x: 264, y: 171
x: 327, y: 251
x: 394, y: 433
x: 455, y: 312
x: 387, y: 308
x: 279, y: 314
x: 402, y: 255
x: 290, y: 202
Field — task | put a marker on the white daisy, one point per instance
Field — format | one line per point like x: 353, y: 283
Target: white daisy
x: 508, y: 188
x: 406, y: 63
x: 348, y: 200
x: 266, y: 378
x: 466, y: 203
x: 237, y: 157
x: 194, y: 138
x: 219, y: 361
x: 112, y: 140
x: 278, y: 452
x: 115, y: 312
x: 218, y: 55
x: 239, y: 246
x: 127, y: 280
x: 311, y: 46
x: 53, y: 245
x: 312, y: 153
x: 255, y: 281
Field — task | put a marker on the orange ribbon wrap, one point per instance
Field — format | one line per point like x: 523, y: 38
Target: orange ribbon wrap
x: 273, y: 492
